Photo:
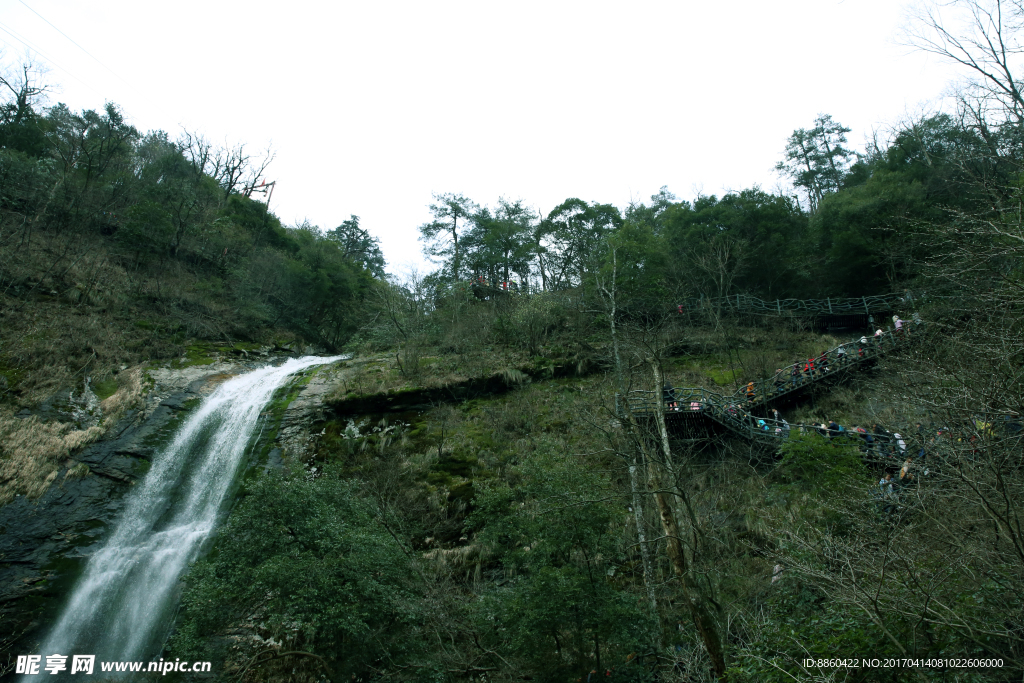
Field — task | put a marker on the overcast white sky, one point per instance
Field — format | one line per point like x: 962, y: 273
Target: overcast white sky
x: 372, y: 106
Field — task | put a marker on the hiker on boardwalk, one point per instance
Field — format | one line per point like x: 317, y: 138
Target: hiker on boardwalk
x: 920, y: 441
x: 865, y: 443
x: 906, y: 473
x: 901, y: 444
x: 794, y: 374
x: 888, y: 494
x: 751, y: 393
x: 881, y: 438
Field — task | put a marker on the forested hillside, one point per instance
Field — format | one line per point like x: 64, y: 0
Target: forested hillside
x: 127, y: 245
x: 475, y: 499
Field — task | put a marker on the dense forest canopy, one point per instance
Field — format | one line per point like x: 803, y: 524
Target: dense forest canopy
x: 546, y: 533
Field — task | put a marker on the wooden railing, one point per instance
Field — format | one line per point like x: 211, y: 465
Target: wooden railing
x: 863, y: 304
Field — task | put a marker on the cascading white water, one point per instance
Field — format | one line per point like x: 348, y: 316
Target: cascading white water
x: 121, y: 607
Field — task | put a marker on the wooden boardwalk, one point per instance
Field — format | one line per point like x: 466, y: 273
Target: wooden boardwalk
x: 865, y: 305
x: 746, y: 412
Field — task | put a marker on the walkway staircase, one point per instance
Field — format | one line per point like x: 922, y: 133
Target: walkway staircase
x: 746, y: 412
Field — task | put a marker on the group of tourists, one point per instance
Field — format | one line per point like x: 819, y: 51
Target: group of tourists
x: 503, y: 285
x: 802, y: 372
x: 903, y: 461
x: 876, y: 441
x: 815, y: 367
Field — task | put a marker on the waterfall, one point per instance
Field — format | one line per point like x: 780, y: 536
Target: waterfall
x: 122, y: 605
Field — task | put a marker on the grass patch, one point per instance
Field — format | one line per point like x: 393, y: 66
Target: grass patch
x: 195, y: 354
x: 722, y: 377
x: 10, y: 376
x: 105, y: 388
x: 77, y: 472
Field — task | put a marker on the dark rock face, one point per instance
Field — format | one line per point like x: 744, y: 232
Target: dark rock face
x: 44, y: 543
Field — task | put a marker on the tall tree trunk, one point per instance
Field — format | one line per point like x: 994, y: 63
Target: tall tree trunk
x: 702, y: 613
x: 455, y: 256
x: 641, y: 534
x: 620, y: 379
x: 620, y: 376
x: 703, y: 619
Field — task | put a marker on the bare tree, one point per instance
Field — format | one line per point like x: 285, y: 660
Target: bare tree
x: 980, y: 35
x: 234, y: 169
x: 25, y: 91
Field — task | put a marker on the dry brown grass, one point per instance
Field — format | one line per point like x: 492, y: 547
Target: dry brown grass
x: 128, y: 395
x: 32, y: 451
